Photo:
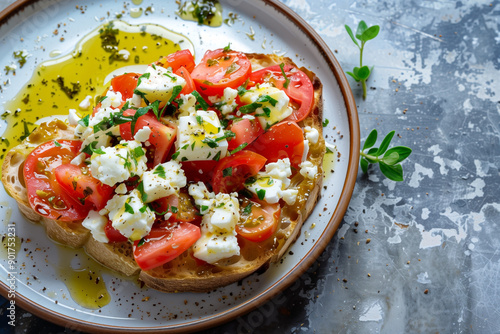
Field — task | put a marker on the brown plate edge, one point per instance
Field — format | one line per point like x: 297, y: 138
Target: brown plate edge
x: 294, y: 273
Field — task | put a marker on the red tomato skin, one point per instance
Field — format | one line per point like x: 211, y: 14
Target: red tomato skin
x: 125, y: 84
x: 182, y: 58
x: 246, y: 132
x: 283, y: 140
x: 159, y: 251
x: 162, y: 137
x: 187, y: 214
x: 48, y: 156
x: 189, y: 87
x: 211, y: 80
x: 266, y: 229
x: 300, y: 88
x: 192, y: 170
x: 113, y: 234
x: 75, y: 183
x: 244, y: 164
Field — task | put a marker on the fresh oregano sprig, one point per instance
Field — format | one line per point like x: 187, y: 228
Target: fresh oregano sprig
x: 363, y: 34
x: 387, y: 159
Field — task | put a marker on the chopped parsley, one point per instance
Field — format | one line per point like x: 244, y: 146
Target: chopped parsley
x: 129, y: 209
x: 250, y: 108
x: 248, y: 209
x: 239, y: 148
x: 227, y: 172
x: 287, y: 80
x: 325, y: 122
x: 203, y: 104
x: 160, y: 171
x: 261, y: 193
x: 57, y: 143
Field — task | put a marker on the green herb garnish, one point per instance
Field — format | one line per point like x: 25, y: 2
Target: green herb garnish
x: 287, y: 80
x: 388, y: 159
x: 364, y: 34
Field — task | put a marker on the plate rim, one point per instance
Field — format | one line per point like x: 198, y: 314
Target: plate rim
x: 295, y: 272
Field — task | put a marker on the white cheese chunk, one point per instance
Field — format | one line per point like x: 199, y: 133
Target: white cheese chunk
x: 225, y: 212
x: 272, y: 185
x: 270, y: 111
x: 218, y: 236
x: 112, y: 100
x: 188, y: 105
x: 158, y: 84
x: 143, y: 134
x: 135, y: 101
x: 214, y: 247
x: 227, y: 100
x: 118, y: 163
x: 73, y: 117
x: 79, y: 159
x: 199, y: 137
x: 85, y: 104
x: 96, y: 223
x: 164, y: 180
x: 202, y: 197
x: 308, y: 170
x: 121, y: 189
x: 311, y: 134
x: 306, y: 150
x: 130, y: 216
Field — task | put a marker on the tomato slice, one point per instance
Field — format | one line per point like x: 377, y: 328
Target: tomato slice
x: 260, y: 221
x: 283, y: 140
x: 231, y: 172
x: 79, y: 183
x: 300, y: 88
x: 246, y: 131
x: 45, y: 194
x: 180, y: 206
x: 177, y: 59
x: 125, y: 84
x: 189, y: 87
x: 220, y: 69
x: 162, y: 137
x: 113, y: 234
x: 164, y: 245
x: 202, y: 170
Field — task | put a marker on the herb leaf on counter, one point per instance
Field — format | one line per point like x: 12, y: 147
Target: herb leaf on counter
x: 363, y: 34
x: 388, y: 159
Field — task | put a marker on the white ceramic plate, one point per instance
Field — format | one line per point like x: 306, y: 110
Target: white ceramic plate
x: 40, y: 267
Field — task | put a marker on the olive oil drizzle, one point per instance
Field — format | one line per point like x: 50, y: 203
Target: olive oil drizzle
x: 205, y: 12
x: 58, y: 85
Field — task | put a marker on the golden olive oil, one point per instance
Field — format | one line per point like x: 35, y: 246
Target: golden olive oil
x: 207, y: 12
x: 61, y: 84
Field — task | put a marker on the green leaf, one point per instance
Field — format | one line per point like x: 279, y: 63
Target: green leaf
x: 372, y: 152
x: 248, y: 209
x: 391, y: 159
x: 227, y: 172
x: 385, y: 143
x: 129, y: 209
x: 261, y: 193
x: 239, y: 148
x: 364, y: 165
x: 361, y: 29
x: 371, y: 139
x: 325, y: 122
x: 287, y: 80
x: 160, y: 171
x: 349, y: 31
x: 394, y: 173
x: 364, y: 73
x: 370, y: 33
x: 403, y: 152
x: 203, y: 104
x: 355, y: 70
x: 354, y: 76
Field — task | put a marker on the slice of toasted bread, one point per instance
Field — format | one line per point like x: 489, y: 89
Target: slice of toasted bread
x: 183, y: 273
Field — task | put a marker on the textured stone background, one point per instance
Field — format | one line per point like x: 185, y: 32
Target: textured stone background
x: 436, y: 83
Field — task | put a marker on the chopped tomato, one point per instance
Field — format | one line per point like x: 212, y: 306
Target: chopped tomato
x: 202, y: 170
x: 189, y: 87
x: 283, y: 140
x: 246, y: 131
x: 231, y: 172
x: 162, y: 137
x: 300, y: 89
x: 79, y: 183
x: 258, y: 220
x: 177, y: 59
x: 220, y: 69
x: 180, y: 206
x: 45, y: 194
x: 125, y: 84
x: 113, y: 234
x: 163, y: 245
